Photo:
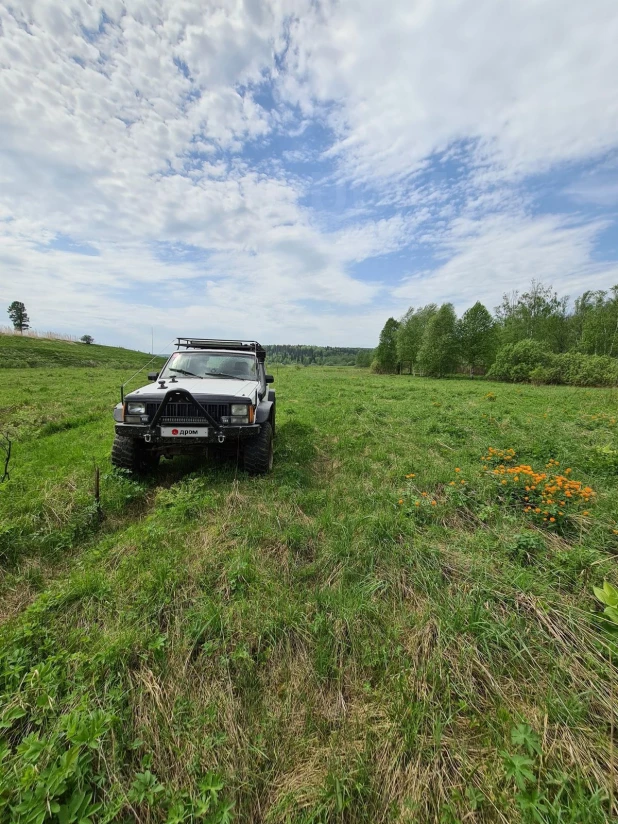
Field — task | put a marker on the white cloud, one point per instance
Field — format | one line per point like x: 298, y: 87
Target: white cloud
x: 535, y: 83
x: 83, y: 293
x: 130, y: 126
x: 489, y: 257
x: 600, y: 191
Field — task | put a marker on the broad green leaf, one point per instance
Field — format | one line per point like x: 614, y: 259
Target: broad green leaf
x: 612, y: 614
x: 599, y: 594
x: 524, y: 736
x: 519, y: 768
x: 10, y: 715
x: 607, y: 595
x: 611, y: 594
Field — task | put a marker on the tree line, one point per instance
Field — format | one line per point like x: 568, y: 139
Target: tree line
x: 527, y: 337
x: 317, y: 355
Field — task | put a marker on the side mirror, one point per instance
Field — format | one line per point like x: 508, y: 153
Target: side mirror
x: 152, y: 376
x: 270, y: 378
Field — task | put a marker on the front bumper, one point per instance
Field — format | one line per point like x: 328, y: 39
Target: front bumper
x: 216, y: 435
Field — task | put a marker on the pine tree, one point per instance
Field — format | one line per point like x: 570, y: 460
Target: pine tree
x: 19, y: 316
x: 439, y: 350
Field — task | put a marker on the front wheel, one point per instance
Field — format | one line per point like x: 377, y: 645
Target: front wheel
x: 131, y: 454
x: 258, y: 451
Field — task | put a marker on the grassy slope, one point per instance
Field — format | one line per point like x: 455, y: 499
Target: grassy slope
x: 329, y: 653
x: 17, y: 351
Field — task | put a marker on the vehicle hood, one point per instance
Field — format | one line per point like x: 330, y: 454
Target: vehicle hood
x: 201, y: 388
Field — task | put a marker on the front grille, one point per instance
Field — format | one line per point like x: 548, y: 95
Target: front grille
x: 188, y: 412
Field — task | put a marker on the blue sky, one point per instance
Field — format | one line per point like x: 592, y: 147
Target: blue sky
x: 299, y: 170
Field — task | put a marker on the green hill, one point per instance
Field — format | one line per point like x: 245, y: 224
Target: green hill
x: 18, y: 352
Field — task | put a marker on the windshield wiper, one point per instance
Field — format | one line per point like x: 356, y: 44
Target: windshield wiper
x: 223, y: 375
x: 184, y: 372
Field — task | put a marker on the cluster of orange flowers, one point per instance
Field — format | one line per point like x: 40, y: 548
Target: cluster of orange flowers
x: 497, y: 455
x: 546, y: 494
x: 602, y: 417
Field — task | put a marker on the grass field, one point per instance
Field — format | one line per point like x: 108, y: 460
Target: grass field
x: 328, y: 643
x: 19, y: 352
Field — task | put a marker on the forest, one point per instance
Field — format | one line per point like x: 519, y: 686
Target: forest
x: 534, y: 336
x: 318, y: 355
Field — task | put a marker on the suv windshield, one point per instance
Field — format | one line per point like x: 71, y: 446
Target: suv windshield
x: 211, y: 364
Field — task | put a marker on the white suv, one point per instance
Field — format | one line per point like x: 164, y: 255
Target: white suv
x: 209, y: 394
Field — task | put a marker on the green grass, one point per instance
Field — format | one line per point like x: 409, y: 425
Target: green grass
x: 17, y: 352
x: 303, y: 647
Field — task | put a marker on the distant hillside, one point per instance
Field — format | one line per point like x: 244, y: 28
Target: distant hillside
x: 19, y: 352
x: 318, y: 355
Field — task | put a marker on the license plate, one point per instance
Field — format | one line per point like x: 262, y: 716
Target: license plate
x: 184, y: 431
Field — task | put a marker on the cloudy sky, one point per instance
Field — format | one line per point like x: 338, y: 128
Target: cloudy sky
x: 298, y: 171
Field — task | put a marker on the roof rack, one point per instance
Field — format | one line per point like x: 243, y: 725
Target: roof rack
x: 226, y: 345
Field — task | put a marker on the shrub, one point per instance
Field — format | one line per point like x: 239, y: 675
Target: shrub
x: 379, y: 368
x: 529, y: 360
x: 516, y: 361
x: 587, y: 370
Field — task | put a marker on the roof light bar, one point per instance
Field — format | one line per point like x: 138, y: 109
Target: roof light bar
x: 227, y: 345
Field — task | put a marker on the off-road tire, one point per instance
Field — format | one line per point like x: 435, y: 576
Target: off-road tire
x: 130, y: 453
x: 258, y: 451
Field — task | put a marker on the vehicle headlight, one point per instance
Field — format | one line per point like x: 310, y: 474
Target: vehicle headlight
x: 136, y: 408
x: 239, y: 413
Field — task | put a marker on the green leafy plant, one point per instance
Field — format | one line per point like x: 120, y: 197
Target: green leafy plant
x: 145, y: 788
x: 523, y: 770
x: 208, y: 805
x: 519, y: 768
x: 608, y: 595
x: 55, y: 776
x: 524, y: 736
x: 533, y: 803
x: 526, y: 547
